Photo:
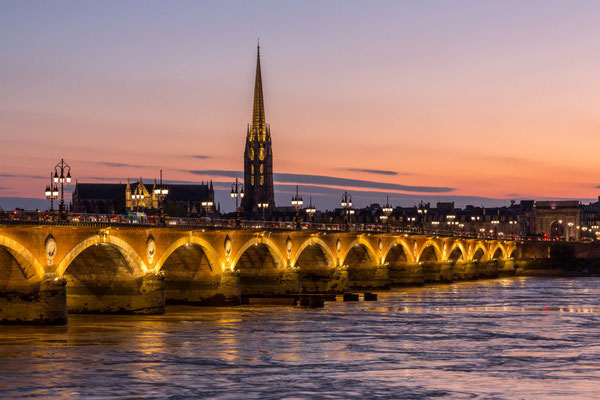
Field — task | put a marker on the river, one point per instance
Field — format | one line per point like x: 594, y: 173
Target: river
x: 506, y: 338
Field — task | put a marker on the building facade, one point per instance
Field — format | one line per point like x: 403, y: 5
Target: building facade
x: 258, y: 155
x: 118, y: 198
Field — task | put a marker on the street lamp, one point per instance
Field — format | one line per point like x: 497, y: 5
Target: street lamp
x: 237, y: 190
x: 387, y: 211
x: 206, y: 206
x: 161, y: 191
x: 51, y: 193
x: 347, y: 206
x: 297, y: 204
x: 310, y: 210
x: 264, y: 206
x: 62, y: 167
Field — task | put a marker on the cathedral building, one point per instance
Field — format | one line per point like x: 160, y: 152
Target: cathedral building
x: 258, y: 155
x: 120, y: 198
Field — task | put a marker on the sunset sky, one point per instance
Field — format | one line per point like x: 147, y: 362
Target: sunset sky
x: 472, y: 101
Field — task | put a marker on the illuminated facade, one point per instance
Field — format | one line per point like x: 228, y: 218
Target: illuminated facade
x: 258, y: 154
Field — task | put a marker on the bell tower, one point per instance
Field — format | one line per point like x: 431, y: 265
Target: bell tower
x: 258, y: 154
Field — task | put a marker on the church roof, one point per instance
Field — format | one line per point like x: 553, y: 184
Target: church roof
x: 103, y: 191
x: 107, y: 191
x: 258, y: 111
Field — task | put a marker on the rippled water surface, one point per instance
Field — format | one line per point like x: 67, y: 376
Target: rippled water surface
x: 507, y: 338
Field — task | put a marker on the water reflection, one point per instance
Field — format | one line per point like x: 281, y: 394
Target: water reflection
x: 523, y: 338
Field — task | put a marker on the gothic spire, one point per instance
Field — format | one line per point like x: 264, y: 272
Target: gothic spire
x: 258, y: 111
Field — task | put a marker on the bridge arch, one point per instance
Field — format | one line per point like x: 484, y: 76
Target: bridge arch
x: 259, y: 250
x: 479, y: 253
x: 396, y: 250
x: 315, y: 250
x: 188, y: 245
x: 359, y: 252
x: 28, y: 266
x: 430, y: 252
x: 499, y: 252
x: 457, y: 253
x: 127, y: 252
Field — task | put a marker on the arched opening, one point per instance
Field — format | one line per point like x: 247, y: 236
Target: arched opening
x: 429, y: 255
x: 314, y: 259
x: 13, y: 276
x: 362, y: 266
x: 397, y: 256
x: 456, y: 255
x: 557, y: 230
x: 498, y: 254
x: 100, y: 280
x: 315, y: 268
x: 189, y: 275
x: 513, y: 254
x: 359, y: 257
x: 479, y: 255
x: 259, y: 270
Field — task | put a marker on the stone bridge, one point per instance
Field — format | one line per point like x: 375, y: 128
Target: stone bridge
x: 46, y: 270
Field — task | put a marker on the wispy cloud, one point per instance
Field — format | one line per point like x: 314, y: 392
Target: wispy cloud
x: 200, y: 156
x: 332, y: 181
x: 23, y: 176
x: 118, y: 164
x: 373, y: 171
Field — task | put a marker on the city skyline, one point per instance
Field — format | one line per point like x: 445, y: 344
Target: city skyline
x: 489, y: 106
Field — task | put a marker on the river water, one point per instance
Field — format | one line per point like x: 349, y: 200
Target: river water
x: 506, y: 338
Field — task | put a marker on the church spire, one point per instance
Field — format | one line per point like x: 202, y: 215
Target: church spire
x: 258, y: 111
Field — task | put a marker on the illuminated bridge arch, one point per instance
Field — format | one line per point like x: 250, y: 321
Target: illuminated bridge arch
x: 457, y: 253
x: 359, y: 253
x: 430, y: 252
x: 126, y: 251
x: 188, y: 250
x: 261, y: 253
x: 479, y: 253
x: 18, y: 267
x: 314, y: 254
x: 398, y: 251
x: 499, y: 252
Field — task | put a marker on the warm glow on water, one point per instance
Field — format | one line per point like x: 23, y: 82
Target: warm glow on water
x: 512, y: 338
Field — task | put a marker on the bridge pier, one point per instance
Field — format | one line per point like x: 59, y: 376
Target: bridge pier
x: 438, y: 272
x: 369, y: 277
x: 406, y: 274
x: 144, y: 295
x: 487, y: 269
x: 334, y: 280
x: 465, y: 271
x: 45, y: 304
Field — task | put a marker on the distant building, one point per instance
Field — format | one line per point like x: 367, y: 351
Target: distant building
x: 258, y: 155
x: 117, y: 198
x: 558, y: 219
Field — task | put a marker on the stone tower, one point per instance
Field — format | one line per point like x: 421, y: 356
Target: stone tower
x: 258, y: 154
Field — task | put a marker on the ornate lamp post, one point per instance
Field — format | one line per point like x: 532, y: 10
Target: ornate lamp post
x: 138, y: 196
x: 387, y: 211
x: 62, y: 167
x: 237, y: 190
x: 161, y: 191
x: 51, y: 193
x: 264, y: 206
x: 206, y: 206
x: 310, y: 210
x: 347, y: 206
x: 297, y: 204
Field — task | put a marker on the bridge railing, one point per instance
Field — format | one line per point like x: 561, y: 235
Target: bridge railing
x: 105, y: 220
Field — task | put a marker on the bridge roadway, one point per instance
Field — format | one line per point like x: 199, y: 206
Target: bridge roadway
x: 49, y: 269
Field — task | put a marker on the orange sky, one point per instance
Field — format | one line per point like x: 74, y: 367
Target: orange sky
x: 492, y: 100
